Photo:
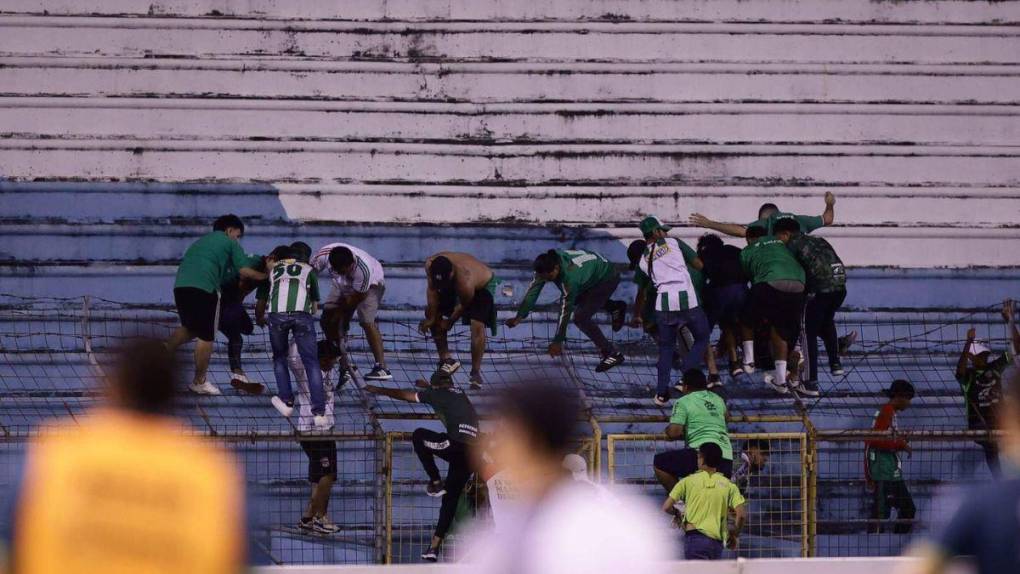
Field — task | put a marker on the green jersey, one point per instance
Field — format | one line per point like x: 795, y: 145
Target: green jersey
x: 768, y: 259
x: 210, y: 261
x: 808, y: 223
x: 822, y: 267
x: 580, y: 270
x: 293, y: 287
x: 708, y: 498
x: 703, y: 416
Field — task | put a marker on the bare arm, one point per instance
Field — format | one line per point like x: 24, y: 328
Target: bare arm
x: 398, y: 394
x: 738, y: 525
x: 465, y: 294
x: 667, y: 506
x: 829, y: 215
x: 732, y: 229
x: 961, y: 365
x: 639, y: 305
x: 698, y: 264
x: 1008, y: 313
x: 674, y: 431
x: 260, y: 312
x: 249, y: 273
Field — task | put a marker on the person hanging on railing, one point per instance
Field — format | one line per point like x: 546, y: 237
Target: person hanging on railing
x: 292, y: 300
x: 882, y: 468
x: 322, y: 459
x: 826, y: 291
x: 699, y: 417
x: 235, y: 324
x: 984, y: 532
x: 700, y: 504
x: 754, y: 456
x: 458, y: 415
x: 775, y: 304
x: 587, y: 281
x: 207, y: 263
x: 459, y: 287
x: 980, y: 376
x: 725, y: 294
x: 768, y: 215
x: 665, y: 263
x: 358, y: 284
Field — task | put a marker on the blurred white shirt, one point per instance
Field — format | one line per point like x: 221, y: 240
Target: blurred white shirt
x: 575, y: 529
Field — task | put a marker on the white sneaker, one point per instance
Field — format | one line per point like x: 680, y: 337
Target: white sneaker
x: 749, y: 368
x: 205, y: 388
x: 781, y: 388
x: 324, y: 525
x: 284, y: 409
x: 321, y: 422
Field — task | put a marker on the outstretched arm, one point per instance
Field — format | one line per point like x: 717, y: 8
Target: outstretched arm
x: 1008, y: 313
x: 961, y: 365
x: 398, y: 394
x: 731, y: 229
x: 675, y: 431
x: 830, y: 208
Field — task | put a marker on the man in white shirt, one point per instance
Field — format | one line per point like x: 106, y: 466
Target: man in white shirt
x: 322, y: 455
x: 358, y: 284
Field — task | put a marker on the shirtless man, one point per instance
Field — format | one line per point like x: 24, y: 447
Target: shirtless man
x: 459, y: 287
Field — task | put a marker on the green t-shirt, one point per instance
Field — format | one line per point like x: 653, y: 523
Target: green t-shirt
x: 580, y: 270
x: 768, y: 259
x: 823, y: 269
x: 808, y: 223
x: 455, y: 411
x: 210, y: 261
x: 708, y: 499
x: 703, y: 416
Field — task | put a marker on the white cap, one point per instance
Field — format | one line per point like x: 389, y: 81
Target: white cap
x: 576, y: 465
x: 978, y: 347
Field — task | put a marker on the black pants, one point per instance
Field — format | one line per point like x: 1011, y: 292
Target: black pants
x: 820, y: 321
x: 235, y: 322
x: 430, y: 444
x: 590, y: 302
x: 891, y: 494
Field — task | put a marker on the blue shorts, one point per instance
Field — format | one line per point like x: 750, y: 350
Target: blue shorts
x: 723, y: 305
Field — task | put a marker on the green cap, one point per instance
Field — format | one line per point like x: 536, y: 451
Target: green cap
x: 650, y: 224
x: 440, y: 379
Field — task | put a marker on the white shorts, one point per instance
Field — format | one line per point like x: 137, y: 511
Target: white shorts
x: 367, y: 309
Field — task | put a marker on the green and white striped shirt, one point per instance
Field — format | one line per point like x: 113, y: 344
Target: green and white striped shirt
x: 293, y: 287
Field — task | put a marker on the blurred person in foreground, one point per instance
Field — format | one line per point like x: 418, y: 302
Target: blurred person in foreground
x: 125, y: 488
x: 700, y: 504
x: 986, y: 527
x: 558, y: 525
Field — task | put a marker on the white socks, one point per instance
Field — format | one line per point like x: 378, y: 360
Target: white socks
x: 781, y: 372
x: 748, y: 352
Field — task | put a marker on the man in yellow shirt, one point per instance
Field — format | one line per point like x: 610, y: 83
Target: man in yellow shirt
x: 707, y: 497
x: 124, y: 489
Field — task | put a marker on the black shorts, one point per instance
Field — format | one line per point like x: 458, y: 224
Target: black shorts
x: 684, y: 462
x: 481, y: 309
x: 770, y: 307
x: 197, y: 310
x: 321, y: 459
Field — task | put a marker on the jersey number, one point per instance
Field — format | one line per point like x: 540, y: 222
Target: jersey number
x: 293, y: 270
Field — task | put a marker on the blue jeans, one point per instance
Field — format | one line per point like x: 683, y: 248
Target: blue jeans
x: 302, y: 326
x: 669, y: 323
x: 697, y: 546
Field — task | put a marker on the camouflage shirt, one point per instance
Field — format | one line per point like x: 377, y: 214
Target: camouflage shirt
x: 823, y: 268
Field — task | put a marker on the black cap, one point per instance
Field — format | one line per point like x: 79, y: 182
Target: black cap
x: 634, y: 252
x: 899, y: 387
x: 441, y: 271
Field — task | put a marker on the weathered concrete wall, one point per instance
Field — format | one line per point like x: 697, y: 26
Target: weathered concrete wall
x: 126, y: 126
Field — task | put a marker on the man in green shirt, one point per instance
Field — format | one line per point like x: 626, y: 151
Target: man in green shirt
x: 587, y: 281
x: 707, y: 497
x: 768, y: 214
x: 776, y: 301
x: 206, y: 265
x: 699, y: 417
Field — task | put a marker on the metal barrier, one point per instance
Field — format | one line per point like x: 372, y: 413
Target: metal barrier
x: 778, y: 489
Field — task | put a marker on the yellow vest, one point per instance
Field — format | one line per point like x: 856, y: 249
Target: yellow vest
x: 127, y: 493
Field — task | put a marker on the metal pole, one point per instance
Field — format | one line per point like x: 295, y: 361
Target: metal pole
x: 388, y: 472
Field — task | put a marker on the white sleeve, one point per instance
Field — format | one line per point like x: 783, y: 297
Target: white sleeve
x: 320, y: 262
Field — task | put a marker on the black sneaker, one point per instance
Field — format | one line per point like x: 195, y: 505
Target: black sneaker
x: 846, y: 341
x: 837, y: 370
x: 430, y: 555
x: 714, y: 381
x: 379, y: 373
x: 807, y: 389
x: 661, y: 400
x: 306, y: 524
x: 618, y: 314
x: 448, y: 366
x: 475, y: 380
x: 435, y: 489
x: 609, y: 361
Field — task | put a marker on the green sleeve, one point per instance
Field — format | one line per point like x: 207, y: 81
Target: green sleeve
x: 735, y: 498
x: 570, y: 289
x: 689, y: 254
x: 530, y: 297
x: 809, y: 223
x: 745, y: 261
x: 313, y: 286
x: 679, y: 491
x: 239, y: 258
x: 679, y: 416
